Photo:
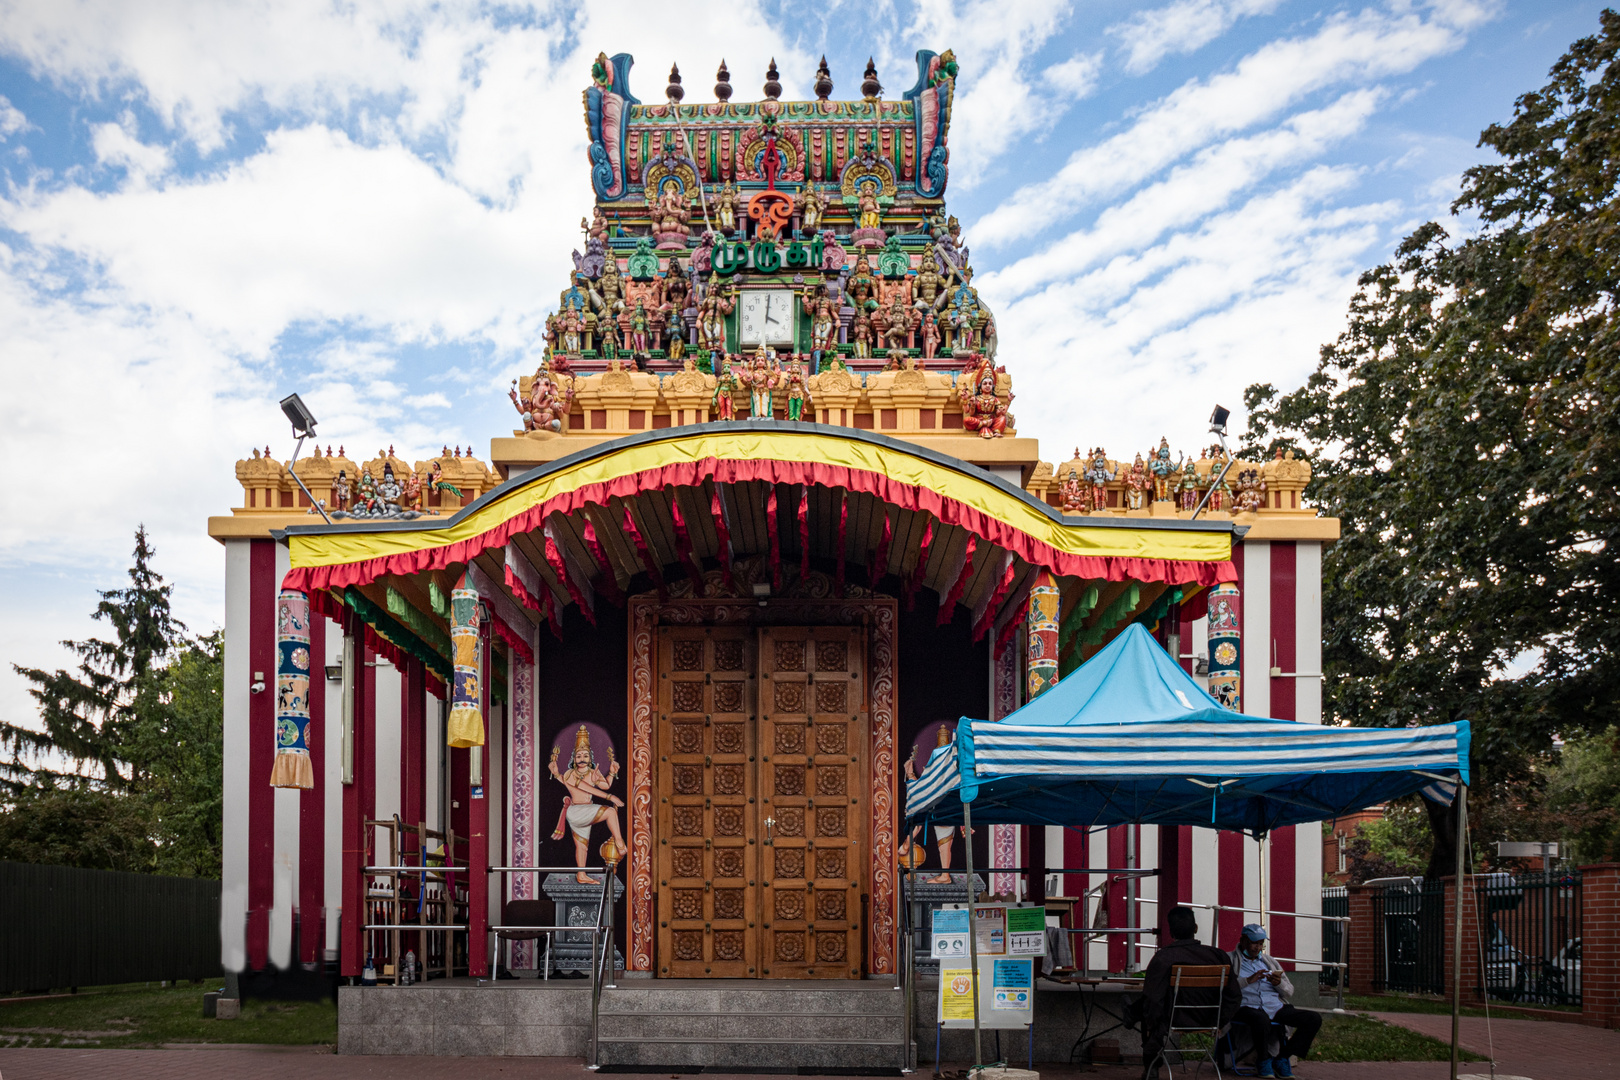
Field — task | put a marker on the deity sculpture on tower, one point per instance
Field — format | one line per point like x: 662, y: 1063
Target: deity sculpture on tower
x: 982, y: 409
x: 823, y: 312
x: 1137, y: 484
x: 797, y: 395
x: 726, y: 208
x: 671, y: 211
x: 1072, y: 491
x: 1099, y: 477
x: 1163, y: 469
x: 812, y: 207
x: 717, y: 304
x: 547, y: 403
x: 724, y: 402
x: 586, y: 782
x: 760, y: 380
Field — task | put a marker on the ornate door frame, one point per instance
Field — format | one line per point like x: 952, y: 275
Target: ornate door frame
x: 879, y: 614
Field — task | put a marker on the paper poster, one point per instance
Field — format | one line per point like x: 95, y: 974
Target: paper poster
x: 991, y: 925
x: 956, y: 991
x: 1026, y: 931
x: 950, y: 934
x: 1012, y: 983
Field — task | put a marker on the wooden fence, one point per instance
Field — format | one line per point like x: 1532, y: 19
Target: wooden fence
x: 63, y: 927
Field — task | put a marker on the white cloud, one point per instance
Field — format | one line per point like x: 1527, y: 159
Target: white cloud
x: 118, y: 146
x: 999, y: 100
x: 1205, y: 184
x: 11, y: 118
x: 1179, y: 28
x: 434, y: 400
x: 1076, y: 77
x: 1365, y: 46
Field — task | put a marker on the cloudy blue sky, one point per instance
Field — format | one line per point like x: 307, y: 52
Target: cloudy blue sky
x: 207, y: 205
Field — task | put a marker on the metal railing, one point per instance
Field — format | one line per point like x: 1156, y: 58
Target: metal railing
x: 1530, y: 930
x: 1335, y: 903
x: 601, y: 929
x: 1409, y: 937
x: 1340, y: 923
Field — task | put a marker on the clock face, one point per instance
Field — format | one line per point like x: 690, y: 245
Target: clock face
x: 765, y: 317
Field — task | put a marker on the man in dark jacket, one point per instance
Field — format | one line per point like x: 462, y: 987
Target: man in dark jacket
x: 1157, y: 986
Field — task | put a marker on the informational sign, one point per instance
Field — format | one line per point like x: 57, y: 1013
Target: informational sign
x: 1026, y: 931
x: 990, y: 923
x: 1012, y: 984
x: 950, y: 934
x: 956, y: 990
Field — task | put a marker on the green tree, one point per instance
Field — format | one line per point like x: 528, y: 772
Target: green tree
x: 88, y: 713
x: 1464, y: 430
x: 141, y: 725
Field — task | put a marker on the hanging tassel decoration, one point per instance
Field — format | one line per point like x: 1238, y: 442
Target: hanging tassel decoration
x: 292, y: 767
x: 466, y: 724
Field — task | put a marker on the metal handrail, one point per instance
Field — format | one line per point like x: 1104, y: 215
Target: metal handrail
x: 1257, y: 911
x: 604, y: 907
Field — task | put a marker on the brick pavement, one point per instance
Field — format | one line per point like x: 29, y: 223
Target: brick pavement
x: 1539, y: 1049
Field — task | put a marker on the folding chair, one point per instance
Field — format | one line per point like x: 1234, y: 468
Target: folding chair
x: 521, y: 914
x: 1195, y: 1009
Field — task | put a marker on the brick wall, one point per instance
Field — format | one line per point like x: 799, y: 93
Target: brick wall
x: 1600, y: 944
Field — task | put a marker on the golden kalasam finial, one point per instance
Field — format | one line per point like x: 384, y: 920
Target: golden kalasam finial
x: 582, y: 739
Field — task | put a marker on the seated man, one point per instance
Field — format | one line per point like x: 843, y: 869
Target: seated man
x: 1266, y: 991
x: 1158, y: 985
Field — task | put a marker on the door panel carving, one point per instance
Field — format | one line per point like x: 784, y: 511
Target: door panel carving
x: 707, y: 812
x: 813, y: 710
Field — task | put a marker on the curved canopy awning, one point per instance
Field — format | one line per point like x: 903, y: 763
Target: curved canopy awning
x: 730, y: 467
x: 1131, y: 737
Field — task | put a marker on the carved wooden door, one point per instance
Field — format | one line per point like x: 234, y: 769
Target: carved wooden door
x: 812, y: 811
x: 708, y: 848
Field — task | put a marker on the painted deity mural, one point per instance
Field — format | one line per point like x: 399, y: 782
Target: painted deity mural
x: 576, y: 764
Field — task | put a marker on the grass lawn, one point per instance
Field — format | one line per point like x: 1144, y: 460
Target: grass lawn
x: 142, y: 1017
x: 1361, y: 1038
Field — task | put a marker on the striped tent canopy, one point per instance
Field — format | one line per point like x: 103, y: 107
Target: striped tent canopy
x: 1130, y: 737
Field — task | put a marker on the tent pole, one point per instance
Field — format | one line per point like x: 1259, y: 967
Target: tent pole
x: 973, y: 940
x: 1456, y: 930
x: 1260, y: 854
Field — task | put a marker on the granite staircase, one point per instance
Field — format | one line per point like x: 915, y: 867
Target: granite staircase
x: 749, y: 1024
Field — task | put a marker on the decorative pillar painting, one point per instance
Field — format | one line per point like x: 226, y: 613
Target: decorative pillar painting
x: 522, y: 886
x: 1226, y: 646
x: 292, y: 767
x: 466, y: 725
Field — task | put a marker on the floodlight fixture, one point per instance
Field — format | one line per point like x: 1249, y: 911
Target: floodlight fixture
x: 1217, y: 425
x: 1217, y: 419
x: 303, y: 425
x: 294, y: 409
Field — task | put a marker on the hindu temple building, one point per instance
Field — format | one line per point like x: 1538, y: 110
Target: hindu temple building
x: 762, y: 530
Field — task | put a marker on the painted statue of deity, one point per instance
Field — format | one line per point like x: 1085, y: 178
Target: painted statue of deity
x: 639, y: 326
x: 982, y: 409
x: 411, y: 497
x: 547, y: 403
x: 798, y: 397
x: 598, y: 228
x: 608, y: 333
x: 671, y: 211
x: 573, y: 328
x: 366, y: 500
x: 677, y: 290
x: 812, y: 207
x: 586, y: 782
x: 964, y: 311
x: 610, y: 288
x: 724, y: 404
x: 1137, y: 484
x: 833, y: 256
x: 860, y: 332
x: 1099, y: 477
x: 677, y: 333
x: 341, y: 492
x: 1251, y: 492
x: 863, y: 287
x: 1189, y: 488
x: 726, y: 207
x: 1163, y: 469
x: 823, y: 312
x: 760, y: 379
x: 717, y: 304
x: 871, y: 214
x: 929, y: 332
x: 897, y: 331
x: 929, y: 282
x: 1072, y: 491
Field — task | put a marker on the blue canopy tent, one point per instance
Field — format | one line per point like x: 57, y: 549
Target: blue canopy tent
x: 1129, y: 737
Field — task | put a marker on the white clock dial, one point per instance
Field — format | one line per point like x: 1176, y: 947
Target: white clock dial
x: 752, y: 312
x: 779, y: 318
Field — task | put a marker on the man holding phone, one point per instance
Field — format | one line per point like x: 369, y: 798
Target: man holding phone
x: 1266, y: 991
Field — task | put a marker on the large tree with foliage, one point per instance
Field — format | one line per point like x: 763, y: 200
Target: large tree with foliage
x: 1464, y: 428
x: 124, y: 770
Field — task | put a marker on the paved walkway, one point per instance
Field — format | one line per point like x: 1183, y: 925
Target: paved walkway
x: 1536, y: 1049
x: 1539, y: 1049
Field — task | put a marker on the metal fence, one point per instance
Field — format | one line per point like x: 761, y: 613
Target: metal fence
x: 1335, y: 902
x: 1409, y: 937
x: 64, y: 927
x: 1530, y: 926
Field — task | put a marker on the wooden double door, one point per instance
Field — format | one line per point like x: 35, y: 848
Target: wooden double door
x: 762, y: 853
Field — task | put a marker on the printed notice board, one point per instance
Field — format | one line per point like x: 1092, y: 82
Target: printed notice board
x: 990, y: 922
x: 1005, y: 988
x: 950, y: 938
x: 1012, y: 985
x: 1026, y: 931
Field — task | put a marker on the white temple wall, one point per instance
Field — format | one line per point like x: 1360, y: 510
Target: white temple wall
x: 234, y: 699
